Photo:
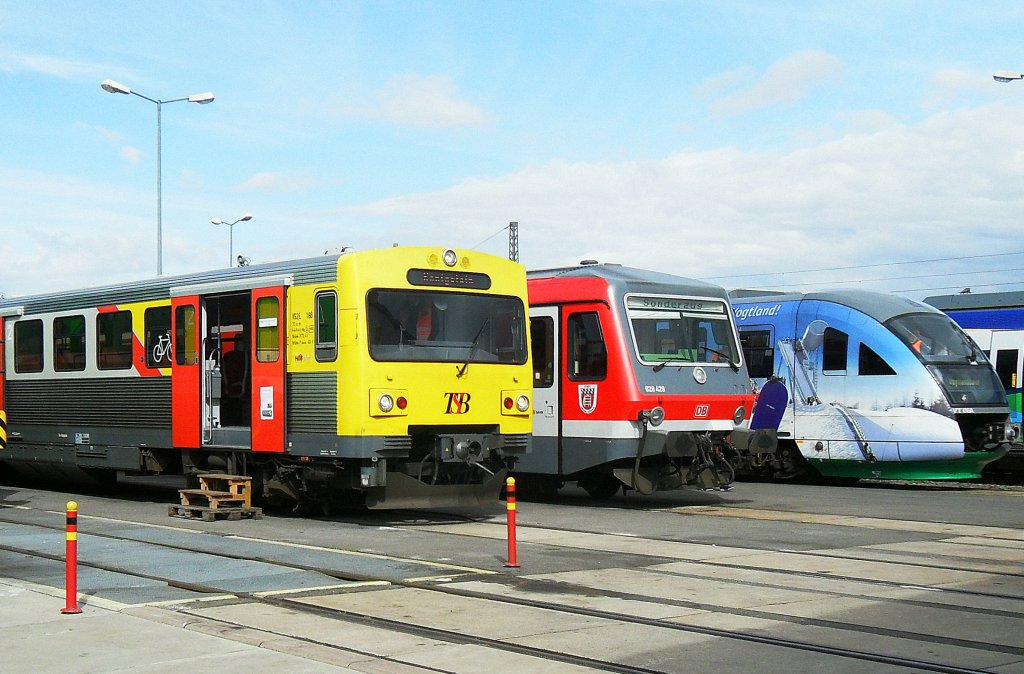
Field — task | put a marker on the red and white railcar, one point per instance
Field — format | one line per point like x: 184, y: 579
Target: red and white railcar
x: 638, y: 380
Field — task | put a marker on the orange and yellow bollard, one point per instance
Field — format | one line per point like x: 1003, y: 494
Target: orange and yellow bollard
x: 510, y: 509
x: 71, y: 560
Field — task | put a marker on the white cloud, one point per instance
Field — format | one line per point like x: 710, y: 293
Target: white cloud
x: 426, y: 102
x: 787, y: 81
x: 132, y: 155
x: 13, y: 61
x: 891, y: 193
x: 949, y: 84
x: 945, y: 187
x: 271, y: 181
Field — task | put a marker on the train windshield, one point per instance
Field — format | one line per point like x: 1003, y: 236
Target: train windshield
x: 936, y: 339
x: 952, y: 357
x: 442, y: 326
x: 681, y: 330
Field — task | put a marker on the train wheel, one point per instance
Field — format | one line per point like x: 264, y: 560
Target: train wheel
x: 600, y: 486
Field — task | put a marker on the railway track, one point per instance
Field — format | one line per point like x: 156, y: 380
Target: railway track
x: 503, y: 593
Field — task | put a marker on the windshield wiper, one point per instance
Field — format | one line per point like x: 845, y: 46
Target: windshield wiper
x: 735, y: 366
x: 472, y: 347
x: 661, y: 366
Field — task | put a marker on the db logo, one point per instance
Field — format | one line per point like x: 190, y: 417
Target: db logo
x: 458, y: 403
x: 701, y: 410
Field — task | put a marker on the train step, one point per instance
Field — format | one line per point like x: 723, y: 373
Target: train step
x: 208, y: 514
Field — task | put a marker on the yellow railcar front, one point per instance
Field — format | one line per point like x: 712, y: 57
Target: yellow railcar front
x: 429, y: 354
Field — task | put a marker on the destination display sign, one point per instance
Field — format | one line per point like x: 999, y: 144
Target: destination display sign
x: 442, y: 278
x: 674, y: 304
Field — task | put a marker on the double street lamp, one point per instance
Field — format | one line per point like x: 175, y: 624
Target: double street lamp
x: 231, y: 234
x: 113, y: 87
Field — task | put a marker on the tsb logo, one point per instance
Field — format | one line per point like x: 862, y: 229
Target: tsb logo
x: 458, y: 403
x: 701, y: 410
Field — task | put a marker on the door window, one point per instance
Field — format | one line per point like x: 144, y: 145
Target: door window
x: 542, y: 341
x: 326, y: 326
x: 589, y: 355
x: 185, y: 336
x: 267, y: 330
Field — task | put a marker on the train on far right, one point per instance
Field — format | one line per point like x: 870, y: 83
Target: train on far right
x: 879, y: 386
x: 995, y: 321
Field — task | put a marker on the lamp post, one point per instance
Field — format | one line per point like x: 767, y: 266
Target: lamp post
x: 1007, y: 76
x: 231, y: 234
x: 113, y: 87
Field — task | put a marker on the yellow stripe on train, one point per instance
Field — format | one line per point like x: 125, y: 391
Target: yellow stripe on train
x: 3, y: 429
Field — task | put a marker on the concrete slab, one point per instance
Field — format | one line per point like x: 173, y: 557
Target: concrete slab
x: 590, y: 541
x: 373, y: 647
x: 855, y: 568
x: 100, y: 640
x: 756, y: 579
x: 968, y: 658
x: 851, y: 521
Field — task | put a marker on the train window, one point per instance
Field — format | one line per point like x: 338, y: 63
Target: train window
x: 28, y: 346
x: 681, y: 330
x: 157, y: 326
x: 69, y: 343
x: 185, y: 352
x: 833, y: 357
x: 870, y: 363
x: 758, y: 352
x: 588, y: 360
x: 267, y: 330
x: 542, y: 339
x: 445, y: 326
x: 326, y: 326
x: 936, y: 338
x: 114, y: 340
x: 1006, y: 367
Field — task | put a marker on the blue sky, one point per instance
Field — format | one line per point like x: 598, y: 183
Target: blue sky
x: 709, y: 139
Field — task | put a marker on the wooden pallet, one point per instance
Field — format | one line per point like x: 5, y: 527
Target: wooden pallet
x: 219, y: 496
x: 208, y: 514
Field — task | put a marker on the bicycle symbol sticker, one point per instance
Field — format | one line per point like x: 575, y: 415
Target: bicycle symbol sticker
x: 162, y: 351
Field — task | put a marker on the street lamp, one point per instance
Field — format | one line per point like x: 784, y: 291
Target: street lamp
x: 1007, y: 76
x: 231, y: 234
x: 113, y: 87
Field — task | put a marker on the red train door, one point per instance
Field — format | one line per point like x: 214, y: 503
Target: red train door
x: 268, y: 369
x: 186, y: 372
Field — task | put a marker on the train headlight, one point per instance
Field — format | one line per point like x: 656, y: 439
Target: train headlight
x: 450, y: 257
x: 385, y: 402
x: 515, y: 402
x: 739, y: 415
x: 401, y: 402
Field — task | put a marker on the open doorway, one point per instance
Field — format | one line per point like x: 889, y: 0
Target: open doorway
x: 227, y: 350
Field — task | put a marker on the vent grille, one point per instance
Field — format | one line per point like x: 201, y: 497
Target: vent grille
x: 136, y: 402
x: 516, y: 440
x: 312, y: 405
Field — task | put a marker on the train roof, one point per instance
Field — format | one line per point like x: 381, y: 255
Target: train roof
x: 968, y: 300
x: 617, y: 274
x: 309, y: 270
x: 880, y: 306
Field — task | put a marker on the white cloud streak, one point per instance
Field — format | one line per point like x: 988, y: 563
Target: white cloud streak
x: 786, y: 82
x: 424, y: 102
